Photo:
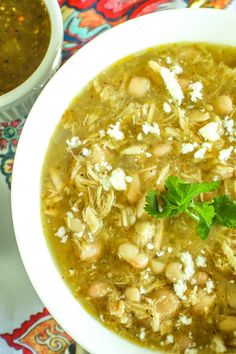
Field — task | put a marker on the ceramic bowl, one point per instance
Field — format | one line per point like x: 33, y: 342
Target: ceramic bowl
x: 17, y: 103
x: 189, y: 25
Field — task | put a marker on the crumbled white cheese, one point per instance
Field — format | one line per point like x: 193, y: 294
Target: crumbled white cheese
x: 170, y: 81
x: 166, y: 107
x: 61, y: 232
x: 117, y: 179
x: 172, y: 85
x: 74, y: 209
x: 188, y: 147
x: 228, y: 124
x: 201, y: 261
x: 148, y: 154
x: 152, y: 129
x: 73, y: 142
x: 180, y: 287
x: 209, y: 286
x: 196, y: 91
x: 71, y: 272
x: 85, y: 152
x: 168, y: 60
x: 139, y: 137
x: 142, y: 333
x: 169, y: 339
x: 200, y: 153
x: 64, y: 239
x: 224, y: 154
x: 169, y: 249
x: 106, y: 165
x: 160, y: 253
x: 209, y: 131
x: 150, y: 246
x: 177, y: 69
x: 187, y: 261
x: 208, y: 146
x: 185, y: 320
x: 102, y: 133
x: 114, y: 131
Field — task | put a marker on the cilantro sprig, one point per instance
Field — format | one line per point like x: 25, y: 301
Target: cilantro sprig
x: 180, y: 197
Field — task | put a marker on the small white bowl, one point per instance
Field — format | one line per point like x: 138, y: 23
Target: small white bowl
x: 205, y: 25
x: 17, y: 103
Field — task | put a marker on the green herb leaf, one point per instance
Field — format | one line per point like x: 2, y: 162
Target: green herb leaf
x: 206, y: 213
x: 152, y: 206
x: 225, y: 211
x: 154, y: 209
x: 180, y: 198
x: 181, y: 193
x: 203, y: 229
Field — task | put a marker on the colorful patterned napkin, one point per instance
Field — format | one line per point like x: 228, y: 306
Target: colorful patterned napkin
x: 25, y: 325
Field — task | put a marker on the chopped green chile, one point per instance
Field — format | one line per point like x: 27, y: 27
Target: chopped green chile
x: 25, y: 31
x: 167, y: 111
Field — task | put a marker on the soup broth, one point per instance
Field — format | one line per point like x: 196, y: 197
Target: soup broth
x: 167, y: 111
x: 24, y: 38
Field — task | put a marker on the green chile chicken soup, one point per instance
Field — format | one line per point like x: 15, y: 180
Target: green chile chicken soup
x: 25, y: 31
x: 138, y: 198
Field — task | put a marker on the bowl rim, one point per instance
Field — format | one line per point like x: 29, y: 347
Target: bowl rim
x: 39, y: 76
x: 91, y: 341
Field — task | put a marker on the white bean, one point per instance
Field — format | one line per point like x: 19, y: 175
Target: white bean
x: 228, y: 324
x: 132, y: 294
x: 205, y: 303
x: 167, y: 303
x: 157, y: 266
x: 98, y: 290
x: 127, y: 251
x: 130, y: 253
x: 140, y: 261
x: 174, y: 272
x: 223, y: 105
x: 138, y: 86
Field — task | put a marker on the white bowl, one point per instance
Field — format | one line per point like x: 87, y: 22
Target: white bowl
x: 17, y: 103
x: 213, y: 26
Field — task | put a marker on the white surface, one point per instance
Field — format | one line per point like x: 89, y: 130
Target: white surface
x: 177, y: 25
